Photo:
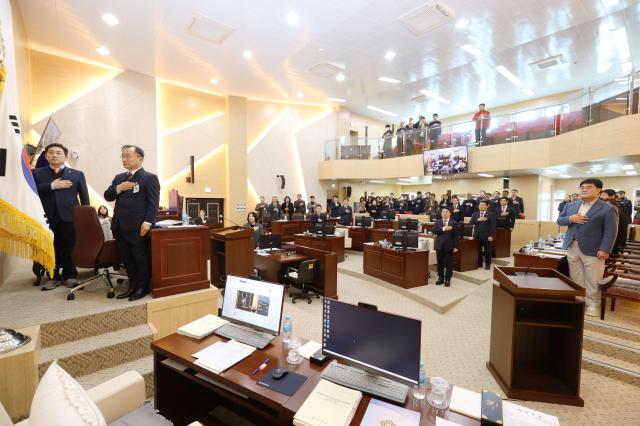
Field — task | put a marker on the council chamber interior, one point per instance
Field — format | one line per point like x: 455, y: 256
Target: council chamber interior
x: 420, y: 212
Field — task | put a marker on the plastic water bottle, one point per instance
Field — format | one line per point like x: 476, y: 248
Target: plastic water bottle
x: 419, y: 390
x: 287, y: 329
x: 185, y: 219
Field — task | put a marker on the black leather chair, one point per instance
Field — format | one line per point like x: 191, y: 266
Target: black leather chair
x: 302, y: 276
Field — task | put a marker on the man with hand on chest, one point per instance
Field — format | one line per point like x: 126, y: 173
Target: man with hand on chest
x: 484, y: 230
x: 136, y: 193
x: 447, y: 235
x: 59, y: 188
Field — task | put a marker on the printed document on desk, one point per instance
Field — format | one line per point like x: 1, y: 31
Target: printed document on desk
x: 328, y: 405
x: 202, y: 326
x: 517, y: 415
x: 379, y: 412
x: 222, y: 355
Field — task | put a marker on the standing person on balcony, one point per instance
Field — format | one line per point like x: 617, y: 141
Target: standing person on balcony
x: 408, y: 138
x: 483, y: 121
x: 400, y: 138
x: 387, y: 150
x: 435, y: 130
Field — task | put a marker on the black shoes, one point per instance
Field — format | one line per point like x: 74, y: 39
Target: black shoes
x: 138, y: 294
x: 126, y: 294
x: 439, y: 282
x: 487, y: 267
x: 447, y: 283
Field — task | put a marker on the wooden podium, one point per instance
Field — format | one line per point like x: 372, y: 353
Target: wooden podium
x: 179, y: 259
x: 501, y: 244
x: 536, y: 335
x: 231, y: 252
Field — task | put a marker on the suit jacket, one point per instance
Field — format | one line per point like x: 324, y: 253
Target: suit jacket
x: 459, y: 216
x: 468, y: 207
x: 518, y: 205
x: 346, y: 216
x: 335, y: 209
x: 505, y: 222
x: 58, y: 203
x: 299, y: 206
x: 446, y: 240
x: 315, y: 217
x: 599, y: 233
x: 132, y: 209
x: 484, y: 229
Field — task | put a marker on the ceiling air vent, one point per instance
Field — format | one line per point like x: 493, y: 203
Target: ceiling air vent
x: 427, y: 17
x: 420, y: 99
x: 326, y: 69
x: 549, y: 62
x: 209, y: 29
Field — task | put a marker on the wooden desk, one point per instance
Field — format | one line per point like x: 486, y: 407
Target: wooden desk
x: 272, y: 267
x: 466, y: 258
x: 532, y: 261
x: 182, y: 397
x: 332, y: 243
x: 179, y: 259
x: 501, y: 244
x: 359, y: 235
x: 288, y: 229
x: 406, y: 269
x: 376, y: 235
x: 386, y: 224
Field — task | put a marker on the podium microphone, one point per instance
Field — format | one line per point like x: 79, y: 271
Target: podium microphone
x: 229, y: 220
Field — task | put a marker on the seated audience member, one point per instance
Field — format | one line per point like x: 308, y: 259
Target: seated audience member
x: 456, y: 209
x: 299, y: 206
x: 202, y: 218
x: 287, y: 208
x: 335, y: 206
x: 274, y: 208
x: 318, y: 216
x: 105, y: 222
x: 567, y: 200
x: 447, y: 235
x: 609, y: 195
x: 252, y: 222
x: 517, y: 203
x: 346, y: 213
x: 484, y: 231
x: 505, y: 217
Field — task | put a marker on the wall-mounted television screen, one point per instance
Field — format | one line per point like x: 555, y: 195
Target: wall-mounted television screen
x: 446, y: 161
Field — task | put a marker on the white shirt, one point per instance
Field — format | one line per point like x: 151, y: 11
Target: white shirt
x: 584, y: 208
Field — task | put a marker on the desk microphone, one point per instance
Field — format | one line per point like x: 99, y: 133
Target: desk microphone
x: 229, y: 220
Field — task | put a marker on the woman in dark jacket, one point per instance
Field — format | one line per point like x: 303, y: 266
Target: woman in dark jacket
x: 374, y: 209
x: 287, y: 207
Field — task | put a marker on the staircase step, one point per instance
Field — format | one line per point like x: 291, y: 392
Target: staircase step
x: 89, y: 355
x: 73, y: 329
x: 632, y: 337
x: 611, y: 349
x: 144, y: 366
x: 624, y: 371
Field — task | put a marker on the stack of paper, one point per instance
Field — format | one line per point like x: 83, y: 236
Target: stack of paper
x: 328, y: 405
x: 202, y: 327
x: 514, y: 414
x: 379, y: 413
x: 466, y: 402
x: 222, y: 355
x: 309, y: 349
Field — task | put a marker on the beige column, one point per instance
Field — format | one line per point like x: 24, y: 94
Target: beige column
x: 236, y: 159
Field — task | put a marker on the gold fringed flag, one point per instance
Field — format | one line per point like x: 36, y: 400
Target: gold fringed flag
x: 23, y: 228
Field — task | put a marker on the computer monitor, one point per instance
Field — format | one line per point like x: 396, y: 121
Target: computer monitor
x: 467, y: 230
x: 257, y: 304
x: 390, y: 215
x: 409, y: 224
x: 329, y: 229
x: 412, y: 239
x: 376, y: 341
x: 324, y: 228
x: 398, y: 239
x: 270, y: 241
x: 364, y: 221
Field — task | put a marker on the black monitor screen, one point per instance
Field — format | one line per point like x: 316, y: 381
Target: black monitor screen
x: 398, y: 239
x: 412, y: 239
x: 468, y: 230
x: 329, y: 229
x: 270, y: 241
x: 375, y: 341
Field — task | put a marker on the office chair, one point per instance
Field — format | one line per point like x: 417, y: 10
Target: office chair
x: 92, y: 251
x: 303, y: 276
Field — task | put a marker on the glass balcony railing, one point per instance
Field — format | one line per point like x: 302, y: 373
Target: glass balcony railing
x: 594, y: 105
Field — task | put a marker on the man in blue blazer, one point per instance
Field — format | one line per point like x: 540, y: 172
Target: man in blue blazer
x: 592, y: 229
x: 136, y: 193
x: 60, y: 189
x: 484, y: 230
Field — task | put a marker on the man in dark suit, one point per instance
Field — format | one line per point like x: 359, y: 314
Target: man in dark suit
x: 517, y: 203
x: 469, y: 206
x: 318, y: 216
x: 299, y: 206
x: 346, y: 213
x: 418, y: 204
x: 505, y: 216
x: 447, y: 235
x: 484, y: 230
x: 626, y: 203
x: 136, y: 194
x: 60, y: 189
x: 456, y: 209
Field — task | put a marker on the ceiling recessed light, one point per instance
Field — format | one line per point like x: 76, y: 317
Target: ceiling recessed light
x: 627, y: 167
x: 485, y: 175
x: 336, y: 100
x: 631, y: 173
x: 340, y: 77
x: 472, y: 49
x: 462, y: 23
x: 390, y: 55
x: 528, y: 91
x: 565, y: 176
x: 103, y: 51
x: 299, y: 95
x: 381, y: 111
x: 508, y: 75
x: 389, y: 80
x: 434, y: 96
x: 292, y: 18
x: 247, y: 54
x: 110, y: 19
x: 376, y: 181
x: 214, y: 81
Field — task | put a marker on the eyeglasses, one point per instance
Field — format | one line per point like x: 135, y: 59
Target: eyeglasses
x: 128, y: 156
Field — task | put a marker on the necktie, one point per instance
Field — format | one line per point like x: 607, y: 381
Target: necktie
x: 482, y: 214
x: 129, y: 175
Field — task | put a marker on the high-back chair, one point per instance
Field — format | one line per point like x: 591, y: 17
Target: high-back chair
x: 91, y: 250
x: 303, y: 276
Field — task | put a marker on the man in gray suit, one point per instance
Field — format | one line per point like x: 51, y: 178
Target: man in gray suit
x: 592, y: 229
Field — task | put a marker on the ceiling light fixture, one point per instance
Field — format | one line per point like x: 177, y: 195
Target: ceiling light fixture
x: 214, y: 81
x: 247, y: 54
x: 390, y: 55
x: 381, y: 110
x: 627, y: 167
x: 110, y: 19
x: 462, y: 23
x: 472, y: 49
x: 103, y: 51
x: 485, y: 175
x: 565, y: 176
x: 340, y: 77
x: 376, y: 181
x: 389, y: 80
x: 528, y: 91
x: 631, y: 173
x: 336, y: 100
x: 619, y: 39
x: 508, y: 75
x: 292, y: 18
x: 299, y: 95
x: 434, y: 96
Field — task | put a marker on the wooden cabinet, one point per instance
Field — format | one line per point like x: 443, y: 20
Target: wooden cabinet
x: 502, y: 243
x: 231, y: 252
x: 406, y: 269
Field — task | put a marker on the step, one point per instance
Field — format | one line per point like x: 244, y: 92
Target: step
x: 89, y: 355
x: 627, y: 334
x: 72, y: 329
x: 611, y: 349
x: 624, y: 371
x: 144, y: 366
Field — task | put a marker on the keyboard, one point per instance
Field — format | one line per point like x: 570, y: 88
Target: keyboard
x: 361, y: 380
x: 245, y: 335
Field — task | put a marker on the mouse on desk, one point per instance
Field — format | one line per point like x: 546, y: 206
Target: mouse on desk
x: 279, y: 373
